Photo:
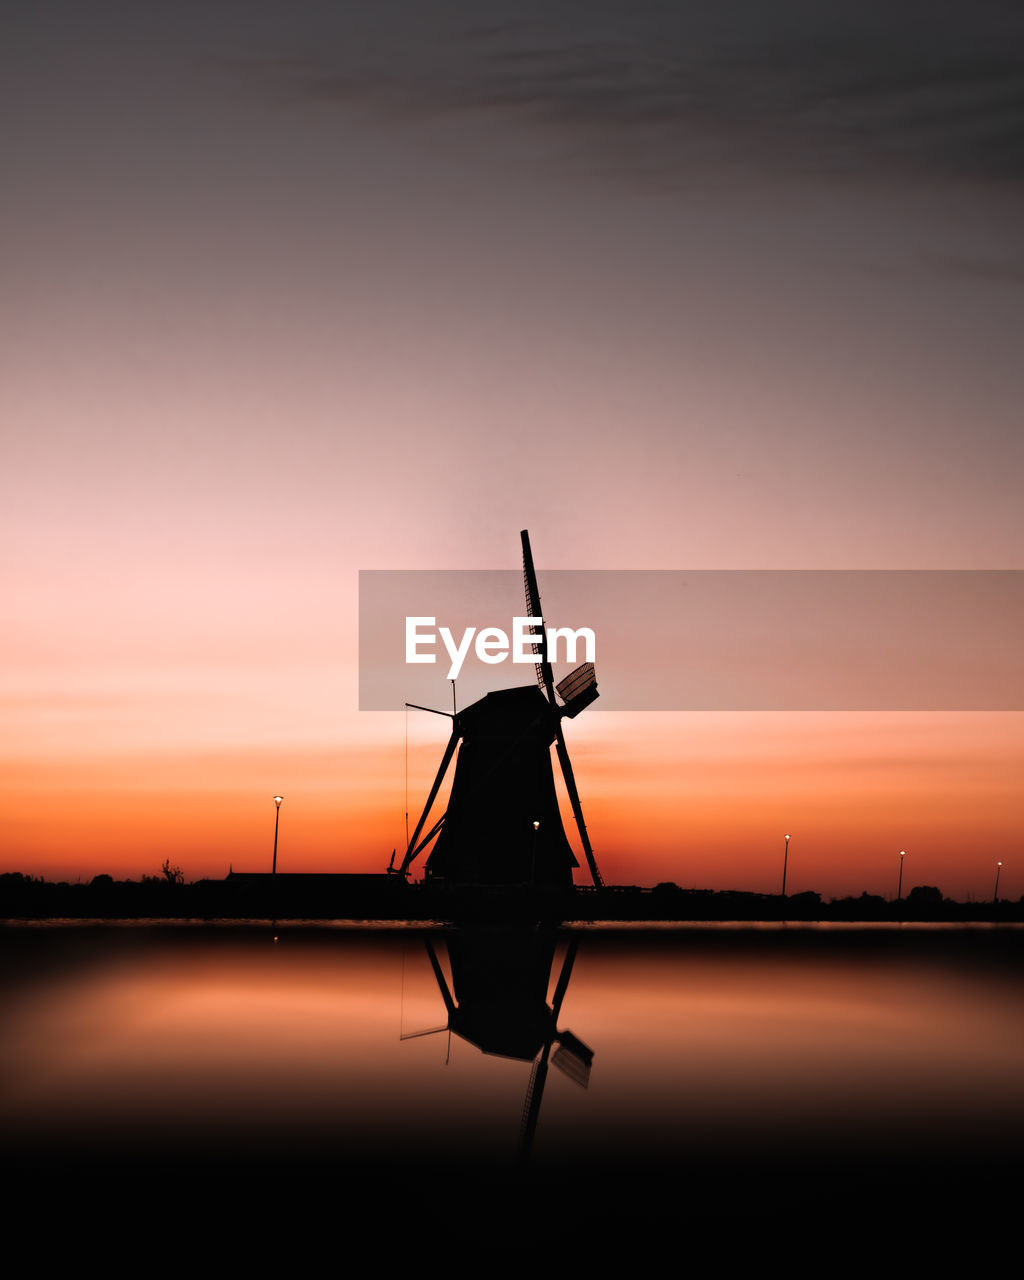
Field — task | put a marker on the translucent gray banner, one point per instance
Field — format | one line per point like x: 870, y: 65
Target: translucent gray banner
x: 714, y: 640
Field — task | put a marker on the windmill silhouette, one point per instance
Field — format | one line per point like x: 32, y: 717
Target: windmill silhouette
x: 498, y: 1002
x: 502, y: 824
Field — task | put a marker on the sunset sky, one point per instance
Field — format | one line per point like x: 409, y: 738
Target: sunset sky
x: 292, y: 291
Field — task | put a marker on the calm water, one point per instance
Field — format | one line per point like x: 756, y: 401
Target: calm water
x: 755, y: 1069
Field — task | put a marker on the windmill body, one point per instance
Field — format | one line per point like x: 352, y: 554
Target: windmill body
x: 500, y: 982
x: 503, y: 786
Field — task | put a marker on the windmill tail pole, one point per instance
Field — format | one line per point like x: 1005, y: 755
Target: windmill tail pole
x: 412, y: 850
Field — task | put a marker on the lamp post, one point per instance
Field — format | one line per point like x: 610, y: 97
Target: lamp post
x: 785, y: 866
x: 533, y: 868
x: 899, y: 888
x: 995, y: 896
x: 277, y: 821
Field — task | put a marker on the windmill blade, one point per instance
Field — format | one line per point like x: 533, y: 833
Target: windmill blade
x: 578, y: 689
x: 446, y: 995
x: 577, y: 808
x: 563, y: 980
x: 586, y: 689
x: 573, y: 1058
x: 539, y: 1075
x: 533, y: 1099
x: 533, y: 608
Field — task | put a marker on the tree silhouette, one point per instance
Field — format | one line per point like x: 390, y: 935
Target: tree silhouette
x: 924, y: 895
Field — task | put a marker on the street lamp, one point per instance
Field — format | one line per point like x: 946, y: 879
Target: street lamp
x: 899, y: 890
x: 533, y: 868
x: 277, y: 820
x: 785, y: 865
x: 995, y: 896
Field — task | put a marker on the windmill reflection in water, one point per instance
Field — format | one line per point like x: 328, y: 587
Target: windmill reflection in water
x: 497, y: 1002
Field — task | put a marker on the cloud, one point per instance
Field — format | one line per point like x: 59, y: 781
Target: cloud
x: 802, y: 90
x: 999, y: 271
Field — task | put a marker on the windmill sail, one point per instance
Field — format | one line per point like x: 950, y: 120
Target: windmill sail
x: 533, y: 610
x: 585, y: 692
x: 578, y: 689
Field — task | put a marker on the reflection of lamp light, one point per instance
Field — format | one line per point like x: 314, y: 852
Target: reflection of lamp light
x: 533, y: 867
x: 785, y: 864
x: 899, y: 890
x: 995, y: 896
x: 277, y: 820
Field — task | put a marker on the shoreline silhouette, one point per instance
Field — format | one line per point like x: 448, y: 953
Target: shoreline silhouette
x: 381, y: 897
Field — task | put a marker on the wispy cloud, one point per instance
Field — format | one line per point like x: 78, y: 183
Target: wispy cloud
x: 811, y: 90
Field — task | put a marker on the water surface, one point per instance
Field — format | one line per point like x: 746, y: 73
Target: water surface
x: 734, y: 1070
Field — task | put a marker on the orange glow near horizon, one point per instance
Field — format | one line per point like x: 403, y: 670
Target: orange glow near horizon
x: 700, y: 800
